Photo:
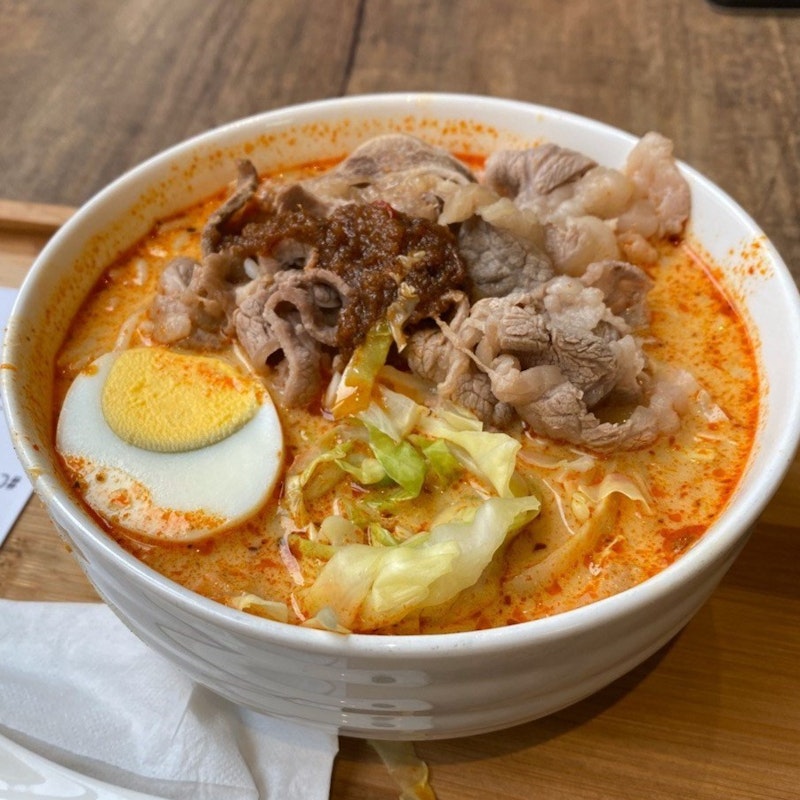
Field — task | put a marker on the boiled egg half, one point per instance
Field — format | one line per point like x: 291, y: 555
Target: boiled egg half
x: 170, y: 446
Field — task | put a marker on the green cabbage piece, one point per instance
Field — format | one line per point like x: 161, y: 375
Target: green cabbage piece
x: 366, y: 471
x: 491, y: 455
x: 440, y: 458
x: 370, y: 587
x: 380, y: 536
x: 272, y: 609
x: 403, y: 463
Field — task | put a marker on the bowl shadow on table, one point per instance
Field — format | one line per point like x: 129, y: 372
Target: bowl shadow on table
x: 571, y: 718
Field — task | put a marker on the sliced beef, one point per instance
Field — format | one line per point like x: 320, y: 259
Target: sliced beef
x: 398, y: 153
x: 359, y: 260
x: 498, y: 262
x: 372, y: 247
x: 194, y: 302
x: 525, y: 175
x: 433, y: 356
x: 516, y: 386
x: 319, y: 296
x: 572, y: 243
x: 297, y: 196
x: 660, y: 189
x: 562, y: 414
x: 624, y: 287
x: 592, y: 209
x: 287, y: 238
x: 564, y: 324
x: 246, y: 185
x: 475, y: 392
x: 274, y: 325
x: 173, y: 312
x: 520, y: 307
x: 399, y: 169
x: 601, y: 192
x: 555, y: 356
x: 661, y: 201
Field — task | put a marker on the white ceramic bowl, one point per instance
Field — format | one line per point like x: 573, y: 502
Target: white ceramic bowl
x: 411, y: 687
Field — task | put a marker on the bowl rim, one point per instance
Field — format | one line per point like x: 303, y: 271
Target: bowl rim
x: 720, y: 543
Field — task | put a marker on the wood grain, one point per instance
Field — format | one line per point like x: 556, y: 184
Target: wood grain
x: 89, y: 88
x: 715, y: 715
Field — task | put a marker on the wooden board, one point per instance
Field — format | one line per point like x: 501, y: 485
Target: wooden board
x: 715, y: 715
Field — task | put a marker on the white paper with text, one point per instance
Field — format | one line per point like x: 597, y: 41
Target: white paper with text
x: 15, y: 488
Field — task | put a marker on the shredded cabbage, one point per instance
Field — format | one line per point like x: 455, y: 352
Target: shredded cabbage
x: 380, y: 536
x: 489, y: 455
x: 616, y: 482
x: 253, y: 603
x: 399, y: 312
x: 370, y: 587
x: 375, y: 572
x: 337, y: 530
x: 396, y: 415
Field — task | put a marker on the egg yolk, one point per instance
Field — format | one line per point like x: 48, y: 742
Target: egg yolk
x: 170, y: 402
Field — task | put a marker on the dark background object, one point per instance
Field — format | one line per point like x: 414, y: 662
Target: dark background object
x: 757, y: 4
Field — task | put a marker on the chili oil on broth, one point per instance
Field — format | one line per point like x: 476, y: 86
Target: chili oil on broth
x: 562, y: 559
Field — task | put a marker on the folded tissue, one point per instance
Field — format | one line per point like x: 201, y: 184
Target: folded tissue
x: 80, y: 690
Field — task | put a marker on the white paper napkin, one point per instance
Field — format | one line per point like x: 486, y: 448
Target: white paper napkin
x: 78, y: 688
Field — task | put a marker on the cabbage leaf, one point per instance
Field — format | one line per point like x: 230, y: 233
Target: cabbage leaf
x: 366, y: 471
x: 440, y: 458
x: 403, y: 463
x: 370, y: 587
x: 296, y: 483
x: 492, y: 455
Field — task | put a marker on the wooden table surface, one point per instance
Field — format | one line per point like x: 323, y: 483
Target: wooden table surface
x: 89, y: 88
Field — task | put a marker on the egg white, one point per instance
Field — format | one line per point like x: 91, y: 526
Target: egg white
x: 176, y: 496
